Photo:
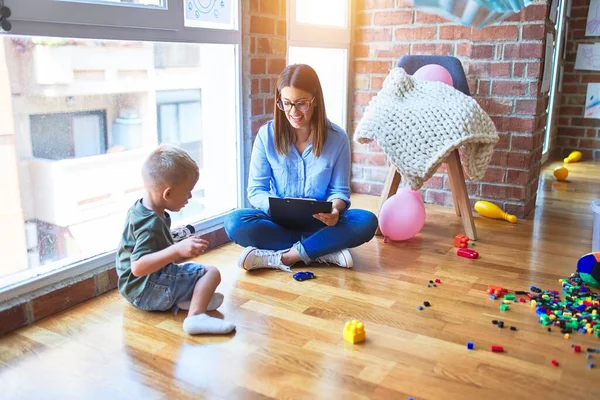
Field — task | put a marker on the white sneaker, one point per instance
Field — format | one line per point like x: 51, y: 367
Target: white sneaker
x: 253, y: 258
x: 341, y: 258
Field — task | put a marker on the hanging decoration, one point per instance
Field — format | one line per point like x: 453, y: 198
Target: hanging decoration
x: 477, y: 13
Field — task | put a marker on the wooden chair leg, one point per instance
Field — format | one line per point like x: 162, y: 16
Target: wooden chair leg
x: 454, y: 191
x: 459, y: 191
x: 389, y: 188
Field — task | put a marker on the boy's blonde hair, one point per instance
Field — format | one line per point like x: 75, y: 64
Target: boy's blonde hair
x: 168, y: 165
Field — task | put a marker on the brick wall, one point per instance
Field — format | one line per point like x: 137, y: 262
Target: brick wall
x: 503, y: 64
x: 575, y: 132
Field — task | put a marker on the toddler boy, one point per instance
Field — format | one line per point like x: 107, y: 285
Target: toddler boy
x: 149, y: 277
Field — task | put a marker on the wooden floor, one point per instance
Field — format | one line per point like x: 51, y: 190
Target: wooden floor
x: 289, y: 343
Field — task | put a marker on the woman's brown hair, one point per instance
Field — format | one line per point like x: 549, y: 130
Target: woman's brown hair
x: 303, y: 77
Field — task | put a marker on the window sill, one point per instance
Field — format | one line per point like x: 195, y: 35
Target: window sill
x: 49, y: 293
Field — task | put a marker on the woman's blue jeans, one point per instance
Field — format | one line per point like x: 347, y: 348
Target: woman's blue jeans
x: 250, y: 227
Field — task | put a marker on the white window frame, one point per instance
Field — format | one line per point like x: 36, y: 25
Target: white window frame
x: 310, y: 35
x: 108, y: 21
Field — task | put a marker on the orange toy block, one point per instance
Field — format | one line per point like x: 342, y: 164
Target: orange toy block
x: 461, y: 241
x: 497, y: 290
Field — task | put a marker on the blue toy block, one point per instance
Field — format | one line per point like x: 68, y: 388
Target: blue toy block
x: 470, y: 345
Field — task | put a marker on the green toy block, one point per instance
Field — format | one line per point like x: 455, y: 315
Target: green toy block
x: 503, y: 307
x: 509, y: 297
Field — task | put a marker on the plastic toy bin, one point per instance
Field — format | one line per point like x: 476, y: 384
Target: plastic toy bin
x: 596, y: 235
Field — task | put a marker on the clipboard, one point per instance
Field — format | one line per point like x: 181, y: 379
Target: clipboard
x: 295, y: 213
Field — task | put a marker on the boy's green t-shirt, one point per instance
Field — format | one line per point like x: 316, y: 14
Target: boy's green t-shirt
x: 144, y: 233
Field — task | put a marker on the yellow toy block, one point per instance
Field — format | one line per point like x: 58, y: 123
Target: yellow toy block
x: 354, y: 332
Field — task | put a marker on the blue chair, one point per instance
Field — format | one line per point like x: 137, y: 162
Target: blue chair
x: 456, y: 176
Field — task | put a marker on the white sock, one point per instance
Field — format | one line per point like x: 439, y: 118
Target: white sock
x: 204, y: 323
x: 214, y: 303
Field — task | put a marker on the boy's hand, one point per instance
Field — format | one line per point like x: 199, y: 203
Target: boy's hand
x: 191, y: 247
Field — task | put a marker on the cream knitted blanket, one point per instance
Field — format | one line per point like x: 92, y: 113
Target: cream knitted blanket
x: 418, y: 123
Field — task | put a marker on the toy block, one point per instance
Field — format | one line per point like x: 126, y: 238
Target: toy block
x: 503, y: 307
x: 354, y: 332
x: 461, y: 241
x: 497, y: 290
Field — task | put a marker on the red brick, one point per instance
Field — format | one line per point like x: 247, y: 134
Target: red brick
x: 494, y: 175
x: 531, y: 50
x: 495, y: 106
x: 519, y: 70
x: 510, y: 51
x: 572, y: 78
x: 393, y: 18
x: 61, y: 299
x: 258, y: 66
x: 113, y: 278
x: 414, y: 34
x: 503, y: 192
x: 262, y: 25
x: 258, y: 106
x: 533, y: 32
x: 371, y: 4
x: 361, y: 51
x: 271, y: 46
x: 373, y: 35
x: 521, y: 142
x: 395, y: 51
x: 572, y: 110
x: 589, y: 143
x: 375, y: 174
x: 362, y: 98
x: 440, y: 49
x: 463, y: 49
x: 483, y: 88
x: 500, y: 69
x: 275, y: 65
x: 525, y: 107
x: 265, y: 86
x: 12, y: 318
x: 435, y: 182
x: 377, y: 82
x: 424, y: 18
x: 508, y: 88
x: 590, y: 77
x: 454, y: 32
x: 496, y: 33
x: 482, y: 51
x: 372, y: 67
x: 438, y: 197
x: 502, y: 141
x: 270, y: 7
x: 535, y: 12
x: 519, y: 160
x: 281, y: 28
x: 373, y: 189
x: 369, y: 159
x: 254, y: 86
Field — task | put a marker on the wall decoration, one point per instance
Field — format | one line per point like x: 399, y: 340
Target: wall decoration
x: 208, y: 13
x: 588, y: 57
x: 593, y: 20
x: 592, y: 101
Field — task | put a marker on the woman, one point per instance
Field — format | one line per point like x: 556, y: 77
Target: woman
x: 299, y: 154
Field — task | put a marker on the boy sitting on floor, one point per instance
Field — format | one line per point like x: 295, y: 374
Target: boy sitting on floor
x: 149, y: 277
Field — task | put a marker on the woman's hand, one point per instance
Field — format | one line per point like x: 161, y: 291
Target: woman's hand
x: 329, y: 219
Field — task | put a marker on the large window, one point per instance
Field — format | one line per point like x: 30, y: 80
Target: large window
x: 319, y: 35
x: 80, y: 115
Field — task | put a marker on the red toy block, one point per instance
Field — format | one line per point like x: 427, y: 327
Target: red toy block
x: 497, y: 290
x: 522, y: 300
x: 467, y: 253
x: 461, y: 241
x: 497, y: 349
x: 438, y: 281
x: 577, y: 349
x: 555, y: 363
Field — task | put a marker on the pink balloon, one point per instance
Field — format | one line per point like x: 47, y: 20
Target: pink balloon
x: 402, y: 216
x: 435, y: 73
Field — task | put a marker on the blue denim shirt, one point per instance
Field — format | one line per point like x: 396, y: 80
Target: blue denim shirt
x: 323, y: 178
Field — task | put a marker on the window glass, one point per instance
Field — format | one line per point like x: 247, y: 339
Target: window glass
x: 80, y: 116
x: 331, y: 13
x: 143, y: 3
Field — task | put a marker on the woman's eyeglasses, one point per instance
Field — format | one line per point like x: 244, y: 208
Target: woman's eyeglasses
x: 302, y: 105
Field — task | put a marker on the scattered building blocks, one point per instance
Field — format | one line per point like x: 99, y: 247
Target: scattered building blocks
x: 438, y: 281
x: 419, y: 308
x: 500, y: 324
x: 497, y: 349
x: 509, y: 297
x: 591, y: 365
x: 513, y: 328
x: 354, y: 332
x: 495, y: 322
x: 554, y: 362
x: 427, y: 304
x: 503, y: 307
x: 493, y: 296
x: 577, y: 349
x: 470, y: 345
x: 567, y: 336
